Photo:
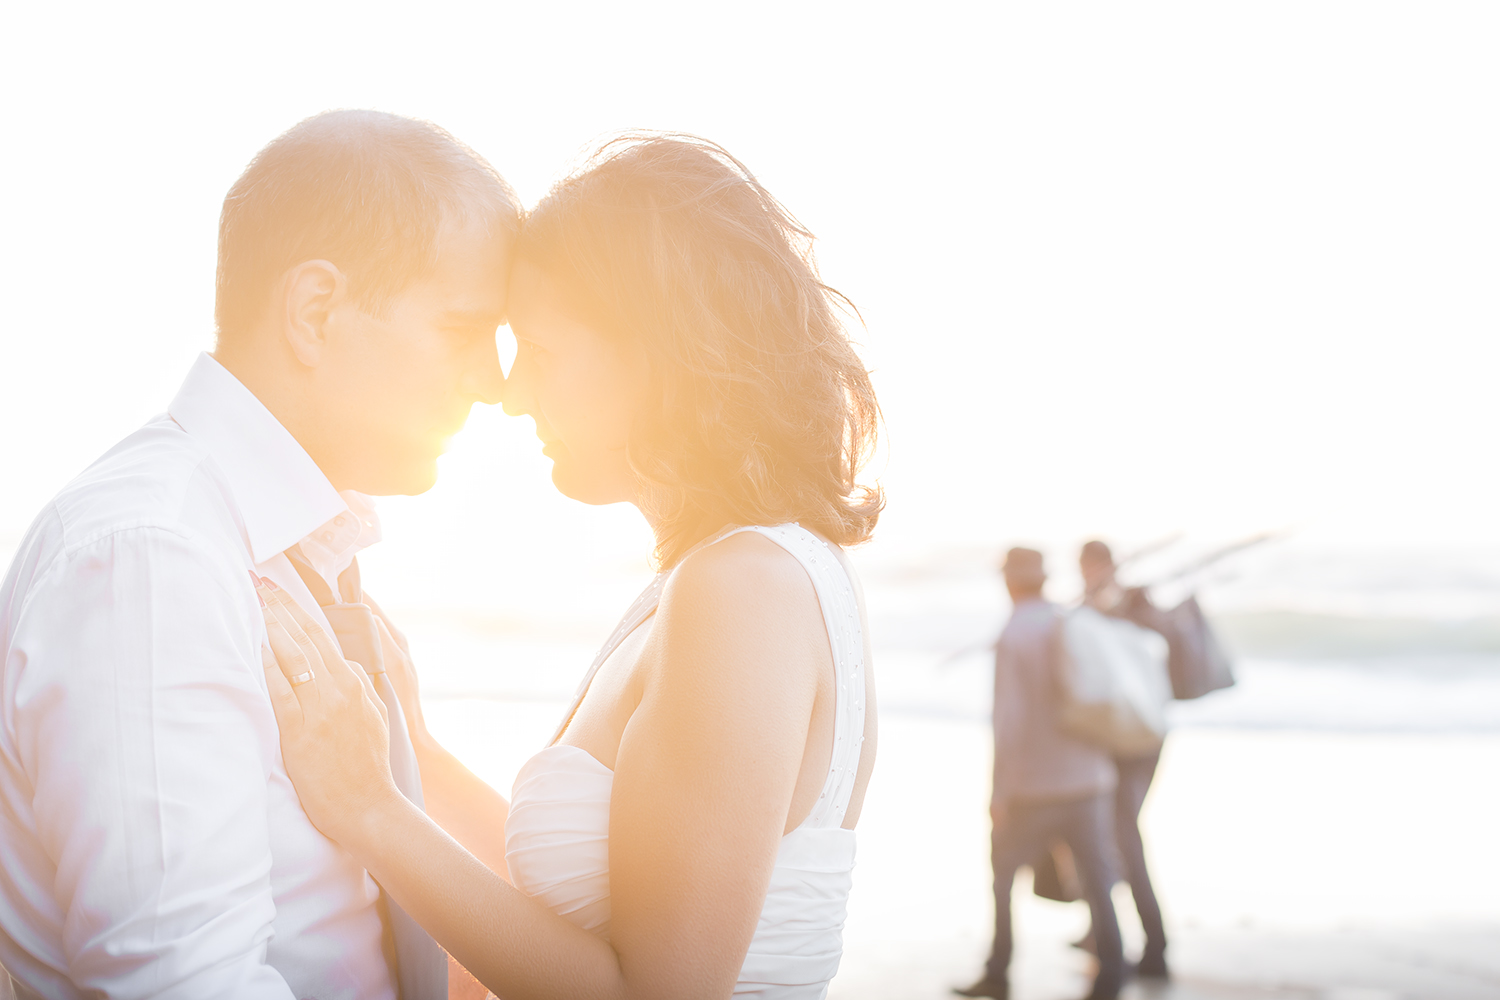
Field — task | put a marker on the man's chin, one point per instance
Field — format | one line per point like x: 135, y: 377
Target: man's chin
x: 408, y: 480
x: 421, y: 483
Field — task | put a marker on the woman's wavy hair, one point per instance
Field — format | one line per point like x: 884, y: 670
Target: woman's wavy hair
x: 764, y: 412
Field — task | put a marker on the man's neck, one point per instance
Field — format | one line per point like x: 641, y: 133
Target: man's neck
x: 279, y: 392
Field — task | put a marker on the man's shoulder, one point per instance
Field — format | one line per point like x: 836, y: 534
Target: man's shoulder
x: 156, y: 477
x: 153, y: 498
x: 1030, y: 616
x: 1030, y: 627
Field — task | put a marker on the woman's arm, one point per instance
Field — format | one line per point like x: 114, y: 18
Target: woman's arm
x: 703, y: 781
x: 461, y: 802
x: 512, y: 944
x: 708, y: 764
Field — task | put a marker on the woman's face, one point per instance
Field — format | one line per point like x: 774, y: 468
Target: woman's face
x: 581, y: 387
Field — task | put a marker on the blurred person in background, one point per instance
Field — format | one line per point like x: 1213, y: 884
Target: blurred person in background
x: 1048, y: 785
x: 1103, y: 593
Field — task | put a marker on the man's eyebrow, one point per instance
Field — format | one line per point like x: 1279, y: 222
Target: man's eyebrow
x: 473, y: 317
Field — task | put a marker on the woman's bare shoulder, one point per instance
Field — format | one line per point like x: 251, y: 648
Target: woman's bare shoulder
x: 745, y: 592
x: 746, y: 568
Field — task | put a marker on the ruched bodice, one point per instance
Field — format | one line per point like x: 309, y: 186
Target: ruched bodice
x: 557, y: 834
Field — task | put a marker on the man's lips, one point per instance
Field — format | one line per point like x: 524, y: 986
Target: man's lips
x: 551, y: 446
x: 453, y: 422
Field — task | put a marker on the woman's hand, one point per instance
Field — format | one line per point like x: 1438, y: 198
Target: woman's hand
x: 335, y: 739
x: 403, y: 676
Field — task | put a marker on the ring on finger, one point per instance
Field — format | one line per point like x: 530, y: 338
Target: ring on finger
x: 301, y: 678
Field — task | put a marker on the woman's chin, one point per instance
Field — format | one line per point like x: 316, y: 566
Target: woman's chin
x: 584, y: 488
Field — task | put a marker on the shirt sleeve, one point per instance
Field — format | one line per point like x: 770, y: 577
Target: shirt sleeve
x: 144, y: 728
x: 1007, y: 721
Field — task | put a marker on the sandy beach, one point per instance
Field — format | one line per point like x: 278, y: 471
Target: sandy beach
x: 1337, y: 866
x: 1322, y: 831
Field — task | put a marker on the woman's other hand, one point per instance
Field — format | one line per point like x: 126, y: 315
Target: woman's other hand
x: 335, y: 739
x: 402, y: 672
x: 461, y: 803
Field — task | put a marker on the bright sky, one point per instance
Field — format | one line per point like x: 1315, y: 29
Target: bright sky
x: 1126, y: 269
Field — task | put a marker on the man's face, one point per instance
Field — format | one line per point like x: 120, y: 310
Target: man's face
x: 1096, y: 572
x: 1021, y: 584
x: 397, y: 386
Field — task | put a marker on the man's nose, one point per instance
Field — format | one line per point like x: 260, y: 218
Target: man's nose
x: 511, y: 400
x: 516, y: 395
x: 485, y: 379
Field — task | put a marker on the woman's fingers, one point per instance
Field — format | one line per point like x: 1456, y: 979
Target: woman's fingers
x: 385, y: 619
x: 299, y: 622
x: 283, y: 698
x: 352, y: 677
x: 403, y: 675
x: 368, y: 683
x: 297, y: 666
x: 329, y: 652
x: 390, y: 649
x: 306, y: 652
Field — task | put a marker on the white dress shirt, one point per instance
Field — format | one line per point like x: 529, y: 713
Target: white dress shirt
x: 151, y: 844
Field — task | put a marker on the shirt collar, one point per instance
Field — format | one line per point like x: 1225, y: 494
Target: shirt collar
x: 282, y: 495
x: 332, y: 546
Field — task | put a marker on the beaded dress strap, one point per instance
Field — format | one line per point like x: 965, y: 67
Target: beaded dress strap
x: 643, y: 607
x: 835, y: 592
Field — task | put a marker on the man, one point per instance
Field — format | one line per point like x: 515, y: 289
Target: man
x: 1102, y: 592
x: 151, y: 844
x: 1048, y: 786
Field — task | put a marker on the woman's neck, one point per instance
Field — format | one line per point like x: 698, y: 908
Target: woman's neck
x: 676, y: 540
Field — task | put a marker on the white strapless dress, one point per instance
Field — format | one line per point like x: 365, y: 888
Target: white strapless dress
x: 557, y: 834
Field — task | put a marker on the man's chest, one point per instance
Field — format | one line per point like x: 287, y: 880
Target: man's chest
x: 326, y: 905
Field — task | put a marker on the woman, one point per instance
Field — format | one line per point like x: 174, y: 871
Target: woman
x: 689, y: 832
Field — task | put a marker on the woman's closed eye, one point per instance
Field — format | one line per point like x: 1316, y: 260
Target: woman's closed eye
x: 529, y: 352
x: 468, y: 336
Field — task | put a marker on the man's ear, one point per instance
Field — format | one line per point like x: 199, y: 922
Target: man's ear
x: 313, y: 290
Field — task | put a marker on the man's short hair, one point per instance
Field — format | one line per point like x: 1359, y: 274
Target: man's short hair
x: 1024, y: 568
x: 1096, y: 552
x: 365, y: 190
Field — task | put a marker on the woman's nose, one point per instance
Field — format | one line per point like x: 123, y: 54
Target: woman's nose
x: 515, y: 394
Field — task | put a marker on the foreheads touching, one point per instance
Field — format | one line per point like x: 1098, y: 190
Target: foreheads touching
x: 363, y: 267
